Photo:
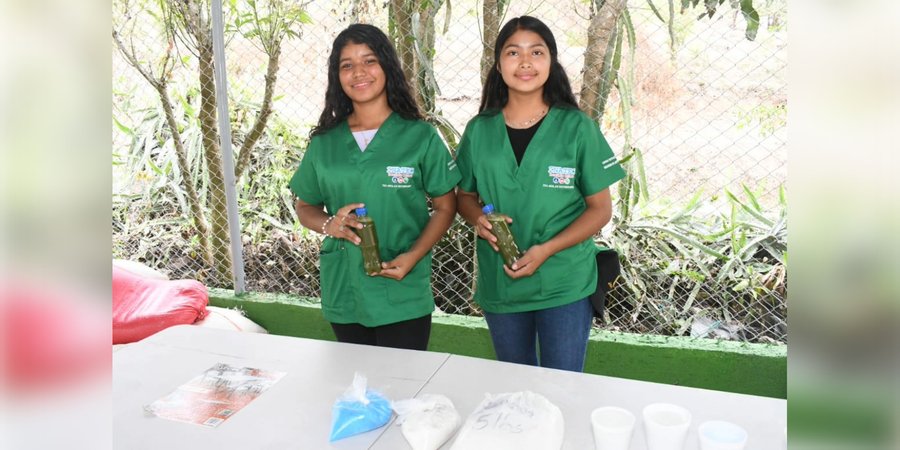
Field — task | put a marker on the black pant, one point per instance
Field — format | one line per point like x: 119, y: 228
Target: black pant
x: 410, y: 334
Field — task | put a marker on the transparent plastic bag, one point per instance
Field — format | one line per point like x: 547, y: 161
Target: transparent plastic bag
x: 512, y: 421
x: 358, y: 410
x: 427, y: 421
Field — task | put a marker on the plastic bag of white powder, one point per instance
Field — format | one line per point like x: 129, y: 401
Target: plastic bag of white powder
x: 514, y: 421
x: 427, y: 421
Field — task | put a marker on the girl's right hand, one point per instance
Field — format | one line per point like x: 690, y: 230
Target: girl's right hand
x: 483, y: 230
x: 341, y: 226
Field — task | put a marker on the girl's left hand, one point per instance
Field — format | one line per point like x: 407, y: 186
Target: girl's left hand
x: 529, y: 263
x: 399, y: 267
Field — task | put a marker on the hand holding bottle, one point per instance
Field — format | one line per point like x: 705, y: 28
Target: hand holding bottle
x: 398, y: 267
x: 528, y: 263
x: 368, y: 242
x: 484, y: 230
x: 501, y: 238
x: 343, y: 223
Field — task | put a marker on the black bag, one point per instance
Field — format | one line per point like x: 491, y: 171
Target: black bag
x: 608, y: 270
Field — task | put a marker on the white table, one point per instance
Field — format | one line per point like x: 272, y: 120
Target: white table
x: 296, y: 412
x: 465, y: 380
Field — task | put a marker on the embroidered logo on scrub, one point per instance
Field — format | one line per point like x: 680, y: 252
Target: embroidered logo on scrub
x: 562, y: 177
x: 399, y: 176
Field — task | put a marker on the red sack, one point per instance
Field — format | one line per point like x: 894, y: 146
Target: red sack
x: 145, y: 306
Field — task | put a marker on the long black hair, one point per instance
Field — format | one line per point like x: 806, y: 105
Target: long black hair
x: 337, y: 105
x: 557, y: 90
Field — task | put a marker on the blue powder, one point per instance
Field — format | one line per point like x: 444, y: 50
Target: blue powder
x: 350, y: 418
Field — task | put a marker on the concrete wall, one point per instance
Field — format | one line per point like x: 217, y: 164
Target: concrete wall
x: 756, y: 369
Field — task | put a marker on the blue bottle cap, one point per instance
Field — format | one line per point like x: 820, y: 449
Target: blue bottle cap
x: 488, y: 209
x: 361, y: 211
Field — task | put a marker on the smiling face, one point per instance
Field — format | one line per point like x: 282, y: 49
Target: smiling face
x: 362, y: 78
x: 524, y: 62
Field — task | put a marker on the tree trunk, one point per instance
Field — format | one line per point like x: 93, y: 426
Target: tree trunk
x: 427, y: 85
x: 159, y: 83
x: 197, y: 215
x: 404, y: 40
x: 428, y: 88
x: 596, y: 67
x: 262, y: 117
x: 213, y: 155
x: 490, y: 29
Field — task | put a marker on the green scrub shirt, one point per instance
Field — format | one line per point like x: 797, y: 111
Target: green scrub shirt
x: 404, y: 162
x: 567, y: 159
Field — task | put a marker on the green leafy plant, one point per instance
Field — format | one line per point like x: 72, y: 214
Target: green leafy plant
x: 768, y: 117
x: 707, y: 259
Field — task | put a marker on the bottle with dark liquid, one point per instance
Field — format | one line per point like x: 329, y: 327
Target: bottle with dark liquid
x: 368, y: 242
x: 505, y: 241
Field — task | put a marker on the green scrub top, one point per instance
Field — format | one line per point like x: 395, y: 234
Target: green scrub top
x: 567, y: 159
x: 404, y: 162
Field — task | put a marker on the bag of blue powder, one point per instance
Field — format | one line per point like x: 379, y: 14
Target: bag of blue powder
x: 358, y: 410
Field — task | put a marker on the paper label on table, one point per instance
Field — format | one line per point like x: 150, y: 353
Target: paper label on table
x: 215, y: 395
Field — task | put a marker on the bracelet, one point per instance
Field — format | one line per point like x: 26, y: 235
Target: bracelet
x: 325, y: 225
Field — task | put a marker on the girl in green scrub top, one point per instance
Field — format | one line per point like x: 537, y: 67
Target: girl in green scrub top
x: 372, y: 149
x: 539, y: 160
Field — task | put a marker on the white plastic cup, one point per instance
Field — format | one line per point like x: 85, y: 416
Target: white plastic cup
x: 721, y: 435
x: 612, y: 428
x: 666, y: 426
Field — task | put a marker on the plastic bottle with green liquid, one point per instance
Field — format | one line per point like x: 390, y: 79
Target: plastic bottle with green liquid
x: 368, y: 242
x: 505, y: 241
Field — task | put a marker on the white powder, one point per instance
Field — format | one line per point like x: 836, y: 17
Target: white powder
x: 427, y: 421
x: 514, y: 421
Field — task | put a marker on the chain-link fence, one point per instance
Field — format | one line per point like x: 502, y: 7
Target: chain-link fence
x: 693, y: 108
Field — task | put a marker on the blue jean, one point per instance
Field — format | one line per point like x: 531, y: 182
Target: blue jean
x: 560, y: 332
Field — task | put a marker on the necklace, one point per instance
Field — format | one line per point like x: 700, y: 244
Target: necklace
x: 527, y: 123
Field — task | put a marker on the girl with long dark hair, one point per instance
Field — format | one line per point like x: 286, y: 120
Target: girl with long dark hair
x: 540, y: 161
x: 371, y: 149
